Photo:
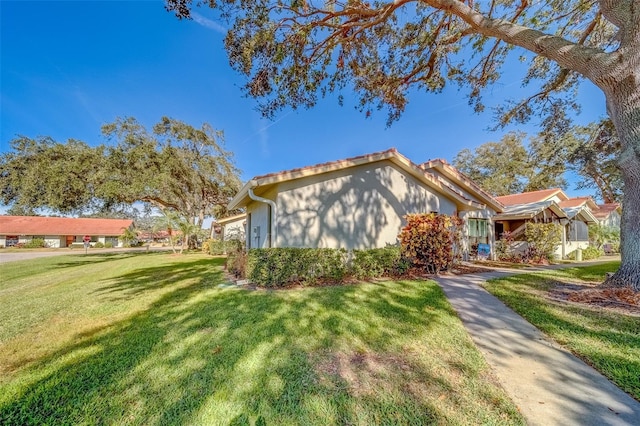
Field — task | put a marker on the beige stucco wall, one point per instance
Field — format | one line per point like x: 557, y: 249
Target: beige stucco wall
x: 612, y: 220
x: 355, y: 208
x: 234, y: 230
x: 257, y: 235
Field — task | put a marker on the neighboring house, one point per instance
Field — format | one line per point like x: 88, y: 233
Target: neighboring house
x: 230, y: 228
x: 548, y: 206
x: 609, y: 214
x: 580, y: 215
x: 358, y: 203
x: 60, y: 231
x: 161, y: 236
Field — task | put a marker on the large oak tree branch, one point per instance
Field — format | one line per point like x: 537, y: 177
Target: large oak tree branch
x: 567, y: 54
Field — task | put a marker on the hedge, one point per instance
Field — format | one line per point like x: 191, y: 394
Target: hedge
x: 219, y: 247
x: 378, y: 262
x: 275, y: 267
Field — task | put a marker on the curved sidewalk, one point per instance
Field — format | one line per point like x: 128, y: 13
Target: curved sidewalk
x: 549, y: 385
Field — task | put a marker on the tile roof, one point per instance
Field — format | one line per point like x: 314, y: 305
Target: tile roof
x: 574, y: 202
x: 530, y: 197
x: 463, y: 179
x: 391, y: 154
x: 346, y: 162
x: 37, y: 225
x: 604, y: 210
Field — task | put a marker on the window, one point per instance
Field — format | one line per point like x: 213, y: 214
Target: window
x: 478, y: 231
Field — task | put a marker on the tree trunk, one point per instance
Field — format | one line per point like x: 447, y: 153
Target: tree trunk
x: 623, y: 104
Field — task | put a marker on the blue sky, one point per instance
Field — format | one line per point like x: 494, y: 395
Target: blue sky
x: 69, y: 67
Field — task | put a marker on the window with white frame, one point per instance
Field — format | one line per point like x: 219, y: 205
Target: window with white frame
x: 478, y: 231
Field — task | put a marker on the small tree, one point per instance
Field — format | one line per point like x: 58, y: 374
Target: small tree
x: 543, y: 238
x: 599, y: 235
x: 128, y: 235
x: 430, y: 241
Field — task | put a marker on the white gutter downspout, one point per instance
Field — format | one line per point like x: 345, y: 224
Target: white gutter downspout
x: 273, y: 226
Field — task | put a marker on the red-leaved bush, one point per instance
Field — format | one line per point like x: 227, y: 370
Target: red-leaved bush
x: 431, y: 241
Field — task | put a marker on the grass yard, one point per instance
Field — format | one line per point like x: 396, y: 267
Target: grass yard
x: 160, y: 339
x: 606, y: 339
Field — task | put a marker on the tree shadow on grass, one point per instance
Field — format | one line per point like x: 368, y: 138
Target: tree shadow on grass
x: 81, y: 259
x: 201, y: 354
x: 127, y: 286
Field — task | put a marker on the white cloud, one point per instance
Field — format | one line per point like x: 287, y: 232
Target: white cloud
x: 208, y: 23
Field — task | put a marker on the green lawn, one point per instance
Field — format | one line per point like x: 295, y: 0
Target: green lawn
x: 158, y: 339
x: 607, y: 340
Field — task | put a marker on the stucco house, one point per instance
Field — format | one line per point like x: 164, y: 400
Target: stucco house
x: 359, y: 202
x: 609, y: 214
x: 548, y: 206
x: 230, y: 228
x: 60, y: 231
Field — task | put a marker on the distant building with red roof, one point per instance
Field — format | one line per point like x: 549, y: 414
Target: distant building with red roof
x: 549, y: 205
x: 609, y: 214
x: 60, y: 231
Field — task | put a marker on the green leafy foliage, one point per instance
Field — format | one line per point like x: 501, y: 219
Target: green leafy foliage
x: 588, y: 253
x: 430, y: 240
x: 236, y: 263
x: 599, y: 235
x: 594, y: 159
x: 35, y: 243
x: 176, y: 166
x: 216, y: 247
x: 501, y: 168
x: 128, y: 237
x: 379, y: 262
x: 294, y: 52
x: 504, y: 248
x: 98, y: 245
x: 543, y: 239
x: 42, y: 173
x: 274, y: 267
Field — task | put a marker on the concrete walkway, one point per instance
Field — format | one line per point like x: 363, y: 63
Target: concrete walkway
x: 549, y: 385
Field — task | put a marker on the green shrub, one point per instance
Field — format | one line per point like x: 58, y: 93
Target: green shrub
x: 98, y: 245
x: 379, y: 262
x: 219, y: 247
x: 588, y: 253
x: 35, y: 243
x: 237, y: 263
x: 273, y: 267
x: 543, y: 238
x: 430, y: 241
x: 504, y: 249
x: 108, y: 244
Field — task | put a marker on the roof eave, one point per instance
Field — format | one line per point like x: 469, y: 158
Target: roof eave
x: 446, y: 169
